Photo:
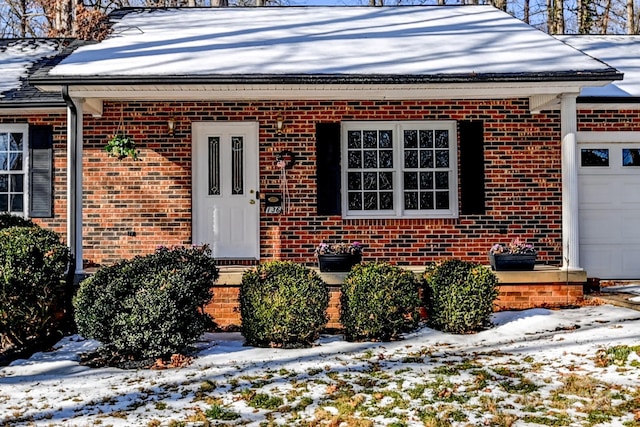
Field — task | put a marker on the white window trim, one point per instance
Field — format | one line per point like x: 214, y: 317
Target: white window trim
x: 397, y: 127
x: 24, y: 129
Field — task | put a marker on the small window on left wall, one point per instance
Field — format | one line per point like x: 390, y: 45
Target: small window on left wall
x: 13, y: 169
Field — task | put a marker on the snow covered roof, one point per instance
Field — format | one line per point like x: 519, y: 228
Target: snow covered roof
x: 621, y: 52
x: 355, y: 44
x: 19, y: 58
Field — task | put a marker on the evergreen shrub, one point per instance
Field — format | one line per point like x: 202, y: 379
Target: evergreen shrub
x: 33, y: 285
x: 8, y: 220
x: 379, y: 301
x: 150, y: 306
x: 459, y: 295
x: 282, y: 304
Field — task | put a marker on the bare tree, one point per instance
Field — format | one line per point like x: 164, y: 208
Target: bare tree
x: 631, y: 25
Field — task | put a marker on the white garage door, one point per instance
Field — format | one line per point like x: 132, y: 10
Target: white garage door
x: 609, y: 177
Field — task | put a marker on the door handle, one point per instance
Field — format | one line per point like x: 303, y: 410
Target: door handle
x: 252, y: 202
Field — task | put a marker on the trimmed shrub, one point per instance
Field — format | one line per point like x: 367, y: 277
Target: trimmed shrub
x: 7, y: 220
x: 149, y: 306
x: 282, y: 304
x: 459, y: 296
x: 33, y: 263
x: 379, y: 301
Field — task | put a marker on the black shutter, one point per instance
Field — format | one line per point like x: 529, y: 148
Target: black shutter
x: 328, y: 168
x: 40, y: 171
x: 472, y: 167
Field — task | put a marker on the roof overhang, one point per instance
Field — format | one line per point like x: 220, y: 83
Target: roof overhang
x: 542, y: 89
x: 26, y: 108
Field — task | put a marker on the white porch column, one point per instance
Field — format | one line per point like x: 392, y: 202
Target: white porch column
x: 570, y: 230
x: 74, y: 182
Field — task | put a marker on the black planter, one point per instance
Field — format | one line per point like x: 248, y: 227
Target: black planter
x: 338, y: 262
x: 512, y: 262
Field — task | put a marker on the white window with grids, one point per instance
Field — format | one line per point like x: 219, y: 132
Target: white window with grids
x: 399, y: 169
x: 13, y: 169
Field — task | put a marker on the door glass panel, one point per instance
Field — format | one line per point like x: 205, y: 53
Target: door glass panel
x: 594, y: 157
x: 237, y: 165
x: 630, y: 157
x: 214, y: 166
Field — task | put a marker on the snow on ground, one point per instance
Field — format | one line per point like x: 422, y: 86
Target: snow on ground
x: 629, y: 288
x: 534, y: 367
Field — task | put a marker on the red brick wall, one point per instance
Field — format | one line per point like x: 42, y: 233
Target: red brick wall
x: 225, y: 308
x: 528, y: 295
x: 608, y: 120
x: 152, y: 197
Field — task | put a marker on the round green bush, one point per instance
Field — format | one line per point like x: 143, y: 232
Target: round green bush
x: 33, y: 286
x: 379, y: 301
x: 282, y: 304
x: 150, y: 306
x: 459, y: 296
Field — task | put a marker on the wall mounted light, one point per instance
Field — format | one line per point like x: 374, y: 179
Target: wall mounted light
x: 171, y: 126
x: 279, y: 124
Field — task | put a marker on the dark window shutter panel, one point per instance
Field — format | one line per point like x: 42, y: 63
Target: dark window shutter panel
x: 329, y: 171
x: 41, y: 171
x: 472, y: 167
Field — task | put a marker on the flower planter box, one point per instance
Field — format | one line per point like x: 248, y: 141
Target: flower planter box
x: 512, y: 262
x: 338, y: 262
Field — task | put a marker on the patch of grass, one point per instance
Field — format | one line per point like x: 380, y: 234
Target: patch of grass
x: 265, y: 401
x: 506, y: 372
x: 217, y: 412
x: 555, y: 420
x: 417, y: 391
x: 445, y: 370
x: 523, y: 386
x: 161, y: 406
x: 616, y: 355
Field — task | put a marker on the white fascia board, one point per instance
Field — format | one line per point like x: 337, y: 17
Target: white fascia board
x: 327, y: 92
x: 26, y: 111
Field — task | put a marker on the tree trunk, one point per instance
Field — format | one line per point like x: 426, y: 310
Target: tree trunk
x: 526, y: 12
x: 551, y: 17
x: 605, y: 18
x: 559, y: 16
x: 500, y: 4
x: 631, y: 21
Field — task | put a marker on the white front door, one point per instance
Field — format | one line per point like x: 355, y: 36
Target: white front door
x: 226, y: 208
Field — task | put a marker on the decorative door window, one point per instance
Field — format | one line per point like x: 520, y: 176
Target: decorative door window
x: 594, y: 157
x: 630, y: 157
x: 400, y: 169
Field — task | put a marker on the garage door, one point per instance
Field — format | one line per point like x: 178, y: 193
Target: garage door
x: 609, y: 182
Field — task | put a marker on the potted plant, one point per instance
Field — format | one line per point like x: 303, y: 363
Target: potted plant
x: 121, y: 146
x: 338, y: 257
x: 517, y: 255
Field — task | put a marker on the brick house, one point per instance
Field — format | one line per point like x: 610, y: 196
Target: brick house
x: 423, y: 132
